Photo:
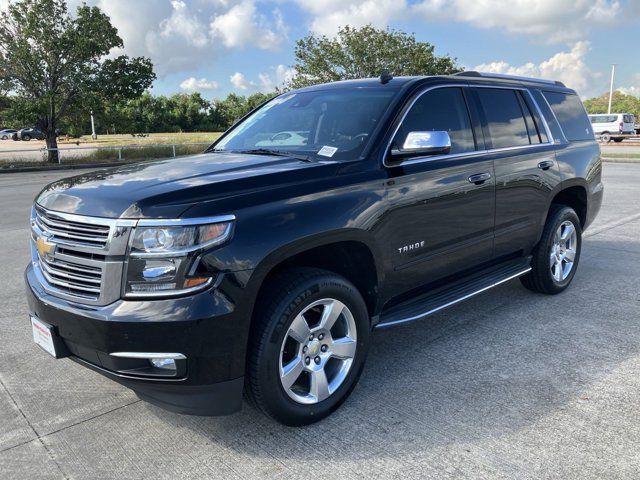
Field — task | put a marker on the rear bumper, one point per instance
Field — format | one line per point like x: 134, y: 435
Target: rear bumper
x: 206, y: 328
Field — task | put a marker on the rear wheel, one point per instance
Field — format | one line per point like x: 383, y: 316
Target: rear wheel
x: 556, y: 256
x: 309, y: 346
x: 605, y: 137
x: 26, y: 137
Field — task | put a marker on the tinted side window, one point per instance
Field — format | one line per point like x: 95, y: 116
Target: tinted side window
x: 571, y: 115
x: 507, y: 127
x: 442, y: 109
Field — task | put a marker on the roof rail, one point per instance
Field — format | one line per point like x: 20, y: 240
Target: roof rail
x: 472, y: 73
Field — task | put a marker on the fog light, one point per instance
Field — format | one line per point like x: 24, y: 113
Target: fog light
x: 163, y: 363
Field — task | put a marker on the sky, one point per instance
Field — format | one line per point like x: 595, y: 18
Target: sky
x: 221, y: 46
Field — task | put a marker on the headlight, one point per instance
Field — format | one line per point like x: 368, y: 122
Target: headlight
x: 162, y: 252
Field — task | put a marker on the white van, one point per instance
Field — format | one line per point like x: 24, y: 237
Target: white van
x: 608, y: 126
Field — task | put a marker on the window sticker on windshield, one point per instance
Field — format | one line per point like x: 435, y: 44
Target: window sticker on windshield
x: 327, y: 151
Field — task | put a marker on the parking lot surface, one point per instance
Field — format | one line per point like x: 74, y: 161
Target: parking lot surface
x: 507, y: 385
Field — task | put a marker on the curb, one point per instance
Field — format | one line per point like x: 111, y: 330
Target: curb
x: 620, y: 160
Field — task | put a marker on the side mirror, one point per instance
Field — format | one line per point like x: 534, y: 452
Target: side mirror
x: 419, y: 144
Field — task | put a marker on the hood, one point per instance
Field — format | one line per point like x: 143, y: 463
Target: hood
x: 166, y: 188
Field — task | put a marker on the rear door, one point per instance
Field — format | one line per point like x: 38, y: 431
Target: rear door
x: 439, y: 223
x: 525, y: 166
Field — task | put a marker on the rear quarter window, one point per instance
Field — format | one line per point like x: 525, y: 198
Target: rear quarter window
x: 571, y: 115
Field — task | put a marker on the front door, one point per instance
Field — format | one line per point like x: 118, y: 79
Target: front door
x: 441, y: 209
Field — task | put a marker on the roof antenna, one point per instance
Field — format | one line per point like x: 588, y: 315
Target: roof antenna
x: 385, y: 77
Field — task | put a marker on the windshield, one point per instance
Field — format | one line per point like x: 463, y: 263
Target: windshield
x: 336, y: 123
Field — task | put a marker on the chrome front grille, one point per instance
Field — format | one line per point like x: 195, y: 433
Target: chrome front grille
x: 62, y: 229
x: 73, y: 278
x: 79, y: 258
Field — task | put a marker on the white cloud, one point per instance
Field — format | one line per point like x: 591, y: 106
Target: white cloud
x: 331, y: 14
x: 241, y: 25
x: 194, y: 84
x: 239, y: 81
x: 184, y: 24
x: 178, y: 35
x: 278, y: 77
x: 568, y: 67
x: 546, y: 20
x: 632, y: 90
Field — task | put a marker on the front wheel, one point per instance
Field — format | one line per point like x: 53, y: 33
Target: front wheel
x: 556, y: 256
x: 308, y: 347
x: 26, y: 138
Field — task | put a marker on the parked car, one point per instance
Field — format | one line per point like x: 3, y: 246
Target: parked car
x: 27, y: 134
x: 7, y: 133
x: 609, y: 126
x: 266, y: 271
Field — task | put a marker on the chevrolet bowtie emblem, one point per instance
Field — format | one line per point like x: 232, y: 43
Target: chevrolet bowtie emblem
x: 44, y: 247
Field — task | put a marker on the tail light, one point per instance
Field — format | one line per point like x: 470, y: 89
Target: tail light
x: 621, y: 125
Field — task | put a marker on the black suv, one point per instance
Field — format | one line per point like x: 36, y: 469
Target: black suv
x: 263, y: 265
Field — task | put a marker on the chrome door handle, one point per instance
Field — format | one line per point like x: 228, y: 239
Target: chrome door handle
x: 546, y: 165
x: 479, y: 178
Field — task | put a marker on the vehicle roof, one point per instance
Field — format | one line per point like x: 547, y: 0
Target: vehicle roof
x: 462, y: 77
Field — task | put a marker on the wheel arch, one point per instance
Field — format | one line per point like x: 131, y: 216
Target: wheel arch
x: 574, y: 195
x: 349, y: 253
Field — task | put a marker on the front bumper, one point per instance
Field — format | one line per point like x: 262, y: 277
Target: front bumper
x: 206, y: 328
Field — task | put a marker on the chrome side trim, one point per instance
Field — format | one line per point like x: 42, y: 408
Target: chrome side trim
x: 463, y: 154
x: 148, y: 355
x: 453, y: 302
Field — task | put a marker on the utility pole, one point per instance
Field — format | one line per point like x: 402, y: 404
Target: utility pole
x: 95, y: 137
x: 613, y: 73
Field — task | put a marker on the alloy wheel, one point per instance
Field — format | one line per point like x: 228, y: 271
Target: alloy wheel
x: 563, y: 251
x: 318, y: 351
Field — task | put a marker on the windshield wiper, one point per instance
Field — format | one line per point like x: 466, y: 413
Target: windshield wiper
x: 269, y: 151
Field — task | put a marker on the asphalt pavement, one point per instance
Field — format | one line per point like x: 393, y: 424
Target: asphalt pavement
x: 509, y: 384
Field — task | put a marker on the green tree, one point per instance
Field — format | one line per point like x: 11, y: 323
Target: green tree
x: 365, y: 52
x: 226, y: 112
x: 620, y: 103
x: 56, y: 64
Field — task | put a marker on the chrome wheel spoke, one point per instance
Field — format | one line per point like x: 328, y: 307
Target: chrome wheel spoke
x: 319, y: 385
x: 344, y: 348
x: 570, y: 255
x: 291, y: 372
x: 568, y: 231
x: 299, y: 329
x: 558, y: 271
x: 331, y: 313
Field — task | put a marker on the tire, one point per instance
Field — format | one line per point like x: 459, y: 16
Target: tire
x: 618, y: 140
x: 297, y: 301
x: 552, y: 270
x: 605, y: 137
x: 26, y: 138
x: 4, y: 137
